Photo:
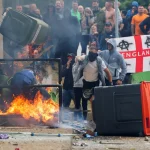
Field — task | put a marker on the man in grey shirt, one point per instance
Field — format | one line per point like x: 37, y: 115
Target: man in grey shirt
x: 114, y: 62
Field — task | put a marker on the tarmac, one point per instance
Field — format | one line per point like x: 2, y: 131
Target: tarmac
x: 45, y: 141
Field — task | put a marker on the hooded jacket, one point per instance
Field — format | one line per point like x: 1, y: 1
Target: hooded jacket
x: 129, y: 12
x: 114, y: 62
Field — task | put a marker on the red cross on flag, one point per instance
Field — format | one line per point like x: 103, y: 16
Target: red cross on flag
x: 136, y: 51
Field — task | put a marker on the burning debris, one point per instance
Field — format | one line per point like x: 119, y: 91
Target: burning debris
x: 24, y: 93
x: 42, y: 111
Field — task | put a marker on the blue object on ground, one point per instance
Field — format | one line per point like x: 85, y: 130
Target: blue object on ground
x: 4, y: 136
x: 32, y: 134
x: 89, y: 136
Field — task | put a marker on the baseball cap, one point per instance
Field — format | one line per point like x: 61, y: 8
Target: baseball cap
x: 108, y: 24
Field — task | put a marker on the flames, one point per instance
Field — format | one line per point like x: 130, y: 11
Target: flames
x: 39, y: 109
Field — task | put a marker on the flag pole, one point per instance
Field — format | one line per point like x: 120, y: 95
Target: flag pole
x: 116, y: 19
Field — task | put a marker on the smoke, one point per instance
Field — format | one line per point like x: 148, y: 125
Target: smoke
x: 69, y: 120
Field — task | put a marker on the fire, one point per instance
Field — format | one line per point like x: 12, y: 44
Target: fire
x: 39, y: 109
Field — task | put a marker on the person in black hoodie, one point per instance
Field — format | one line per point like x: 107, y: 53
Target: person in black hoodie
x: 48, y: 17
x: 68, y: 92
x: 125, y: 28
x: 145, y: 26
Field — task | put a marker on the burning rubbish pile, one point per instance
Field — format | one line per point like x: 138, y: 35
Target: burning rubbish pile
x: 45, y: 111
x: 25, y: 92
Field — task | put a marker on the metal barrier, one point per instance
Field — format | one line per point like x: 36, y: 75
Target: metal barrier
x: 8, y: 67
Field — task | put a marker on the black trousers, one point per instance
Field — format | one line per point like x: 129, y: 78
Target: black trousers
x: 90, y: 85
x: 78, y: 97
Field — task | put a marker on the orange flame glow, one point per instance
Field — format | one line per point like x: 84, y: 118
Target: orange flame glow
x: 39, y: 109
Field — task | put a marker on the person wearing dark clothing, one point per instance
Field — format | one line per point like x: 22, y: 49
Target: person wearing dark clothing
x: 145, y: 26
x: 68, y: 93
x: 48, y: 17
x: 149, y: 8
x: 108, y: 34
x: 99, y: 16
x: 25, y: 78
x: 39, y: 16
x: 95, y: 7
x: 69, y: 28
x: 133, y: 11
x: 35, y: 15
x: 125, y: 29
x: 19, y: 8
x: 33, y: 11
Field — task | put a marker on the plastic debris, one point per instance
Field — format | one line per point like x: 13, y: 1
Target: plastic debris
x: 76, y: 144
x: 17, y: 148
x: 4, y: 136
x: 84, y: 144
x: 76, y: 137
x: 95, y: 134
x: 32, y: 134
x: 88, y: 136
x: 146, y: 139
x: 59, y: 135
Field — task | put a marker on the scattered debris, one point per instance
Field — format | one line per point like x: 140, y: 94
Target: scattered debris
x: 4, y: 136
x: 119, y: 143
x: 17, y: 149
x: 76, y: 137
x: 146, y: 139
x: 84, y: 144
x: 114, y: 148
x: 59, y: 135
x: 15, y: 144
x: 88, y: 136
x: 76, y: 144
x: 77, y: 131
x: 95, y: 134
x: 32, y: 134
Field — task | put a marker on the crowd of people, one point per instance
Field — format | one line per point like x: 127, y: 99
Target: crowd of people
x: 94, y: 29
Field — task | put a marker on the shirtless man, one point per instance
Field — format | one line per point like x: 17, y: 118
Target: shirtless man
x: 110, y: 13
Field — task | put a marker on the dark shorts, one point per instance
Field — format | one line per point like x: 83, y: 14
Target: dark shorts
x: 88, y: 88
